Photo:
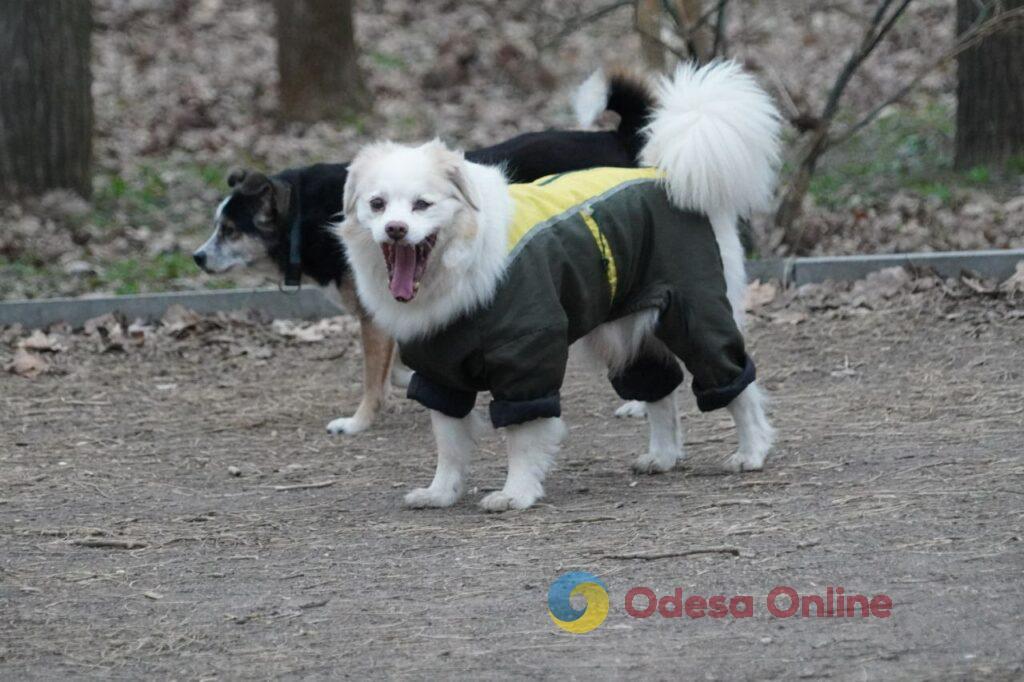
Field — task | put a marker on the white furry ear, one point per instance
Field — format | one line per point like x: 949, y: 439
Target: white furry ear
x: 463, y: 189
x: 453, y: 164
x: 350, y: 194
x: 366, y: 156
x: 464, y: 230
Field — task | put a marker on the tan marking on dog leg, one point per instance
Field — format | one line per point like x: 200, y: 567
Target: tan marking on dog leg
x: 378, y: 349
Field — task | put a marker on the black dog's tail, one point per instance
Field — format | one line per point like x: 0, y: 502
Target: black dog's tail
x: 624, y: 93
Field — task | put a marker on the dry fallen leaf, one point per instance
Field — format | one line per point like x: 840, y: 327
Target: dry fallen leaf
x: 882, y: 284
x: 179, y: 320
x: 789, y: 317
x: 760, y: 294
x: 42, y: 342
x: 1014, y: 284
x: 106, y: 322
x: 138, y: 331
x: 303, y: 333
x: 26, y: 364
x: 978, y: 285
x: 108, y: 331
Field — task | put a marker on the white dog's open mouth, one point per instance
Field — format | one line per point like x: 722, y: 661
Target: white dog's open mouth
x: 406, y: 265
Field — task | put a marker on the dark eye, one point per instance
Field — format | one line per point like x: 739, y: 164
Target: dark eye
x: 227, y: 230
x: 377, y: 204
x: 421, y: 205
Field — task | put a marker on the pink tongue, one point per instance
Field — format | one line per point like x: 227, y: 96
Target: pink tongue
x: 402, y: 275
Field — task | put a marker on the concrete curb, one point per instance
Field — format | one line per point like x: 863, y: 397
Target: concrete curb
x: 304, y: 304
x: 312, y: 304
x: 995, y: 264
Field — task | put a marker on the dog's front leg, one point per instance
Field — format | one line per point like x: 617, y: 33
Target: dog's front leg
x: 455, y: 447
x: 531, y: 449
x: 378, y: 349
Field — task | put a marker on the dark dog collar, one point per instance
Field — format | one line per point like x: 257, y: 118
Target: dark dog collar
x: 293, y: 271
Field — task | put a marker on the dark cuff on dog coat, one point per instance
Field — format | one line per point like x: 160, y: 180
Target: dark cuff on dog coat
x: 511, y: 412
x: 648, y: 379
x: 448, y: 401
x: 714, y: 398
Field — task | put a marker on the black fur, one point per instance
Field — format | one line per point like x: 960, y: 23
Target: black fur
x: 525, y: 157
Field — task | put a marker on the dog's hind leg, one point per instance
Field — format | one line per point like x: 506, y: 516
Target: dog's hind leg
x: 752, y: 427
x: 666, y: 438
x: 455, y: 445
x: 632, y: 409
x: 378, y: 349
x: 400, y: 374
x: 532, y: 447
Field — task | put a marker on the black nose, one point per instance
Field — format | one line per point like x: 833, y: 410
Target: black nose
x: 200, y: 258
x: 396, y: 230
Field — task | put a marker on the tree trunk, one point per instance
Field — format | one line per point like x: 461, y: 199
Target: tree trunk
x: 792, y: 202
x: 990, y: 92
x: 45, y: 96
x: 648, y: 23
x: 699, y: 37
x: 317, y: 63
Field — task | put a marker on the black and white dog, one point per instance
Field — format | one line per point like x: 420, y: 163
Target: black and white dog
x: 282, y: 220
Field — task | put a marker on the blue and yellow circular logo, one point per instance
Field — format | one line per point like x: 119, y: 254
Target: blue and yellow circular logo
x: 570, y: 585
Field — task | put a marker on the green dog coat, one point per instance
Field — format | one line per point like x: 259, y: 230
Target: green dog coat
x: 586, y: 248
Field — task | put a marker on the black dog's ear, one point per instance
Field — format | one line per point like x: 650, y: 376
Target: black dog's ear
x: 254, y: 183
x: 236, y: 176
x: 272, y: 197
x: 282, y: 196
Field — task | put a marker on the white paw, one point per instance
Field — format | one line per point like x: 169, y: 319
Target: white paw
x: 500, y: 501
x: 400, y: 377
x: 348, y: 425
x: 633, y: 409
x: 656, y: 462
x: 420, y: 498
x: 744, y: 461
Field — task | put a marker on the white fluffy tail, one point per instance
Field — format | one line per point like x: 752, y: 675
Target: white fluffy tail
x: 715, y: 135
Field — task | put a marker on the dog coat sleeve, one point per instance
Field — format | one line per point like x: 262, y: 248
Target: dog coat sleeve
x: 525, y: 375
x: 448, y: 401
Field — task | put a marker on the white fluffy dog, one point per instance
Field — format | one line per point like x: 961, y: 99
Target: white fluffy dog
x: 433, y: 245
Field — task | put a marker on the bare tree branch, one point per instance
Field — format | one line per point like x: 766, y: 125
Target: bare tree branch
x: 577, y: 23
x: 968, y: 39
x: 718, y: 48
x: 790, y: 206
x: 872, y: 36
x: 679, y: 54
x: 820, y: 141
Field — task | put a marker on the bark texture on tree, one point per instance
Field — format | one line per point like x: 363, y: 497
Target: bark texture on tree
x: 317, y: 64
x: 990, y: 92
x: 700, y: 39
x: 45, y: 96
x: 648, y: 23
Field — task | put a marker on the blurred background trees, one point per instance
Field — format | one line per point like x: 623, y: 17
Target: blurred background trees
x: 990, y: 88
x: 887, y: 149
x: 45, y: 98
x: 317, y: 61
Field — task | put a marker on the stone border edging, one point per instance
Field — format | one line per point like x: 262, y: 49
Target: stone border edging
x: 994, y: 264
x: 310, y: 303
x: 303, y: 304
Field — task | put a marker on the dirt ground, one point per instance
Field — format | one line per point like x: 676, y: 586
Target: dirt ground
x: 898, y: 471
